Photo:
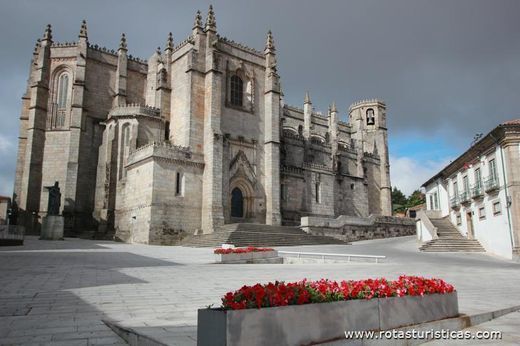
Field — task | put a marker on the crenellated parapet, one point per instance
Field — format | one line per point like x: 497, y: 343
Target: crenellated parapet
x: 135, y: 110
x: 292, y: 170
x: 240, y: 46
x: 166, y: 144
x: 366, y: 102
x: 64, y: 44
x: 166, y: 151
x: 316, y: 167
x: 189, y: 40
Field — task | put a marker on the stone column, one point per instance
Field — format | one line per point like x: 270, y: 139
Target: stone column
x: 121, y: 73
x: 272, y: 136
x: 24, y: 118
x: 307, y: 116
x: 212, y: 208
x: 76, y: 123
x: 386, y: 188
x: 31, y: 184
x: 333, y: 128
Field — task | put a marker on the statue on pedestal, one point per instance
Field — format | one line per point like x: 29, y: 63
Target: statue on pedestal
x: 53, y: 207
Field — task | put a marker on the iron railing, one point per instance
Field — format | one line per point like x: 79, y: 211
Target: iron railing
x: 491, y: 184
x: 476, y: 191
x: 464, y: 197
x: 454, y: 202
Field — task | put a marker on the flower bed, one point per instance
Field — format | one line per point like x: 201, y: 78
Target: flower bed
x: 221, y: 251
x: 247, y: 255
x: 308, y: 312
x: 324, y: 291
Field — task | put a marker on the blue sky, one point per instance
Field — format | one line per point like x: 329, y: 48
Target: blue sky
x: 414, y: 159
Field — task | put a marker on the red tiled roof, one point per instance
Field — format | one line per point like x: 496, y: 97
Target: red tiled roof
x: 4, y: 198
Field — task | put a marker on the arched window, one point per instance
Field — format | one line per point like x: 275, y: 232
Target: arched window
x: 371, y: 120
x: 63, y: 90
x: 236, y: 91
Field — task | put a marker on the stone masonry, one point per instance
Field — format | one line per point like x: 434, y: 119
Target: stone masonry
x: 195, y: 137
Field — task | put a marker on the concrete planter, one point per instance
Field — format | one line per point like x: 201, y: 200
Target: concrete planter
x: 315, y: 323
x: 248, y: 257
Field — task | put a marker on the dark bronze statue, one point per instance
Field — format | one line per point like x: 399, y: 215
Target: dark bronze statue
x: 53, y: 208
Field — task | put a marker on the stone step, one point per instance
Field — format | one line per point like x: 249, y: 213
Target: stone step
x: 450, y: 239
x: 257, y: 235
x: 448, y: 249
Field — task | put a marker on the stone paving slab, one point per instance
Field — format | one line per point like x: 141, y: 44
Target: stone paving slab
x: 48, y: 285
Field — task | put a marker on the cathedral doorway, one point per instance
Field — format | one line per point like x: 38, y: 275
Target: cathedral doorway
x: 237, y: 203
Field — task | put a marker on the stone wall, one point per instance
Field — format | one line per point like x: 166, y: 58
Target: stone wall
x: 4, y: 206
x: 149, y: 209
x: 348, y: 228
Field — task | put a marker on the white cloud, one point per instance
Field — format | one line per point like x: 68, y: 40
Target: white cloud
x: 6, y: 186
x: 408, y: 174
x: 7, y: 164
x: 5, y: 144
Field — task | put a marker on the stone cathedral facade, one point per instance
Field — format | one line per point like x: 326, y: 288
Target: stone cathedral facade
x: 195, y: 137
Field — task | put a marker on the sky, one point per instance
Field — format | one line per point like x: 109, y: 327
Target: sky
x: 447, y: 69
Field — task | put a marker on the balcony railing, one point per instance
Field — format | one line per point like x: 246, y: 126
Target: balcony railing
x: 476, y: 191
x: 454, y: 202
x: 464, y: 197
x: 491, y: 184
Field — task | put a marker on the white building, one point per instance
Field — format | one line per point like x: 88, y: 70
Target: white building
x: 479, y: 192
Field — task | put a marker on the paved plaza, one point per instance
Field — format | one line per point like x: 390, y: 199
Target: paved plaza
x: 58, y: 292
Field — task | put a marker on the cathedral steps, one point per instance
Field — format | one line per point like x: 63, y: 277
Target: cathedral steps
x: 450, y: 239
x: 246, y: 234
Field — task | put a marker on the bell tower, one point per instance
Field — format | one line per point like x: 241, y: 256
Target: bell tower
x: 369, y: 132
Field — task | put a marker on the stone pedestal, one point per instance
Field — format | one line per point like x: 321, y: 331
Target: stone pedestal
x: 52, y: 227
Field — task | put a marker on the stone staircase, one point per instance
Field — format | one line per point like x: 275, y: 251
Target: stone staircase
x: 249, y: 234
x: 450, y: 239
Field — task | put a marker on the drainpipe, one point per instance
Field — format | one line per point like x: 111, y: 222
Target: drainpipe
x: 439, y: 198
x: 507, y: 199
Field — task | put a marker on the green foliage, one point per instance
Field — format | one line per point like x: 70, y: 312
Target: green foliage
x: 400, y: 202
x: 416, y: 198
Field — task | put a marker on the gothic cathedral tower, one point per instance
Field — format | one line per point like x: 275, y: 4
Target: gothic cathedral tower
x: 369, y: 131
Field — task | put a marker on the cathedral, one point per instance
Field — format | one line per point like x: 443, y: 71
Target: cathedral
x: 195, y: 137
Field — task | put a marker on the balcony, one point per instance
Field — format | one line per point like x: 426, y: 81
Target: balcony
x: 477, y: 191
x: 454, y: 202
x: 464, y: 197
x: 491, y: 184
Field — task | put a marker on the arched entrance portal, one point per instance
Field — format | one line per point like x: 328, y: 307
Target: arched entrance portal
x: 237, y: 203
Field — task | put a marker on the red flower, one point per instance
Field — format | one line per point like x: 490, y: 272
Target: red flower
x: 248, y: 249
x: 305, y: 292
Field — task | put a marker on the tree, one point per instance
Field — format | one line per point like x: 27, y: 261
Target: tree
x: 398, y: 199
x: 416, y: 198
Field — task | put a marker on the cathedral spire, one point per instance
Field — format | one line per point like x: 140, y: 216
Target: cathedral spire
x: 269, y: 44
x: 83, y: 30
x: 333, y: 108
x: 307, y: 98
x: 36, y: 47
x: 169, y: 42
x: 211, y: 23
x: 47, y: 35
x: 198, y: 21
x: 122, y: 42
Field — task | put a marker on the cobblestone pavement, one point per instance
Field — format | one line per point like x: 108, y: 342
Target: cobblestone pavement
x: 57, y: 292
